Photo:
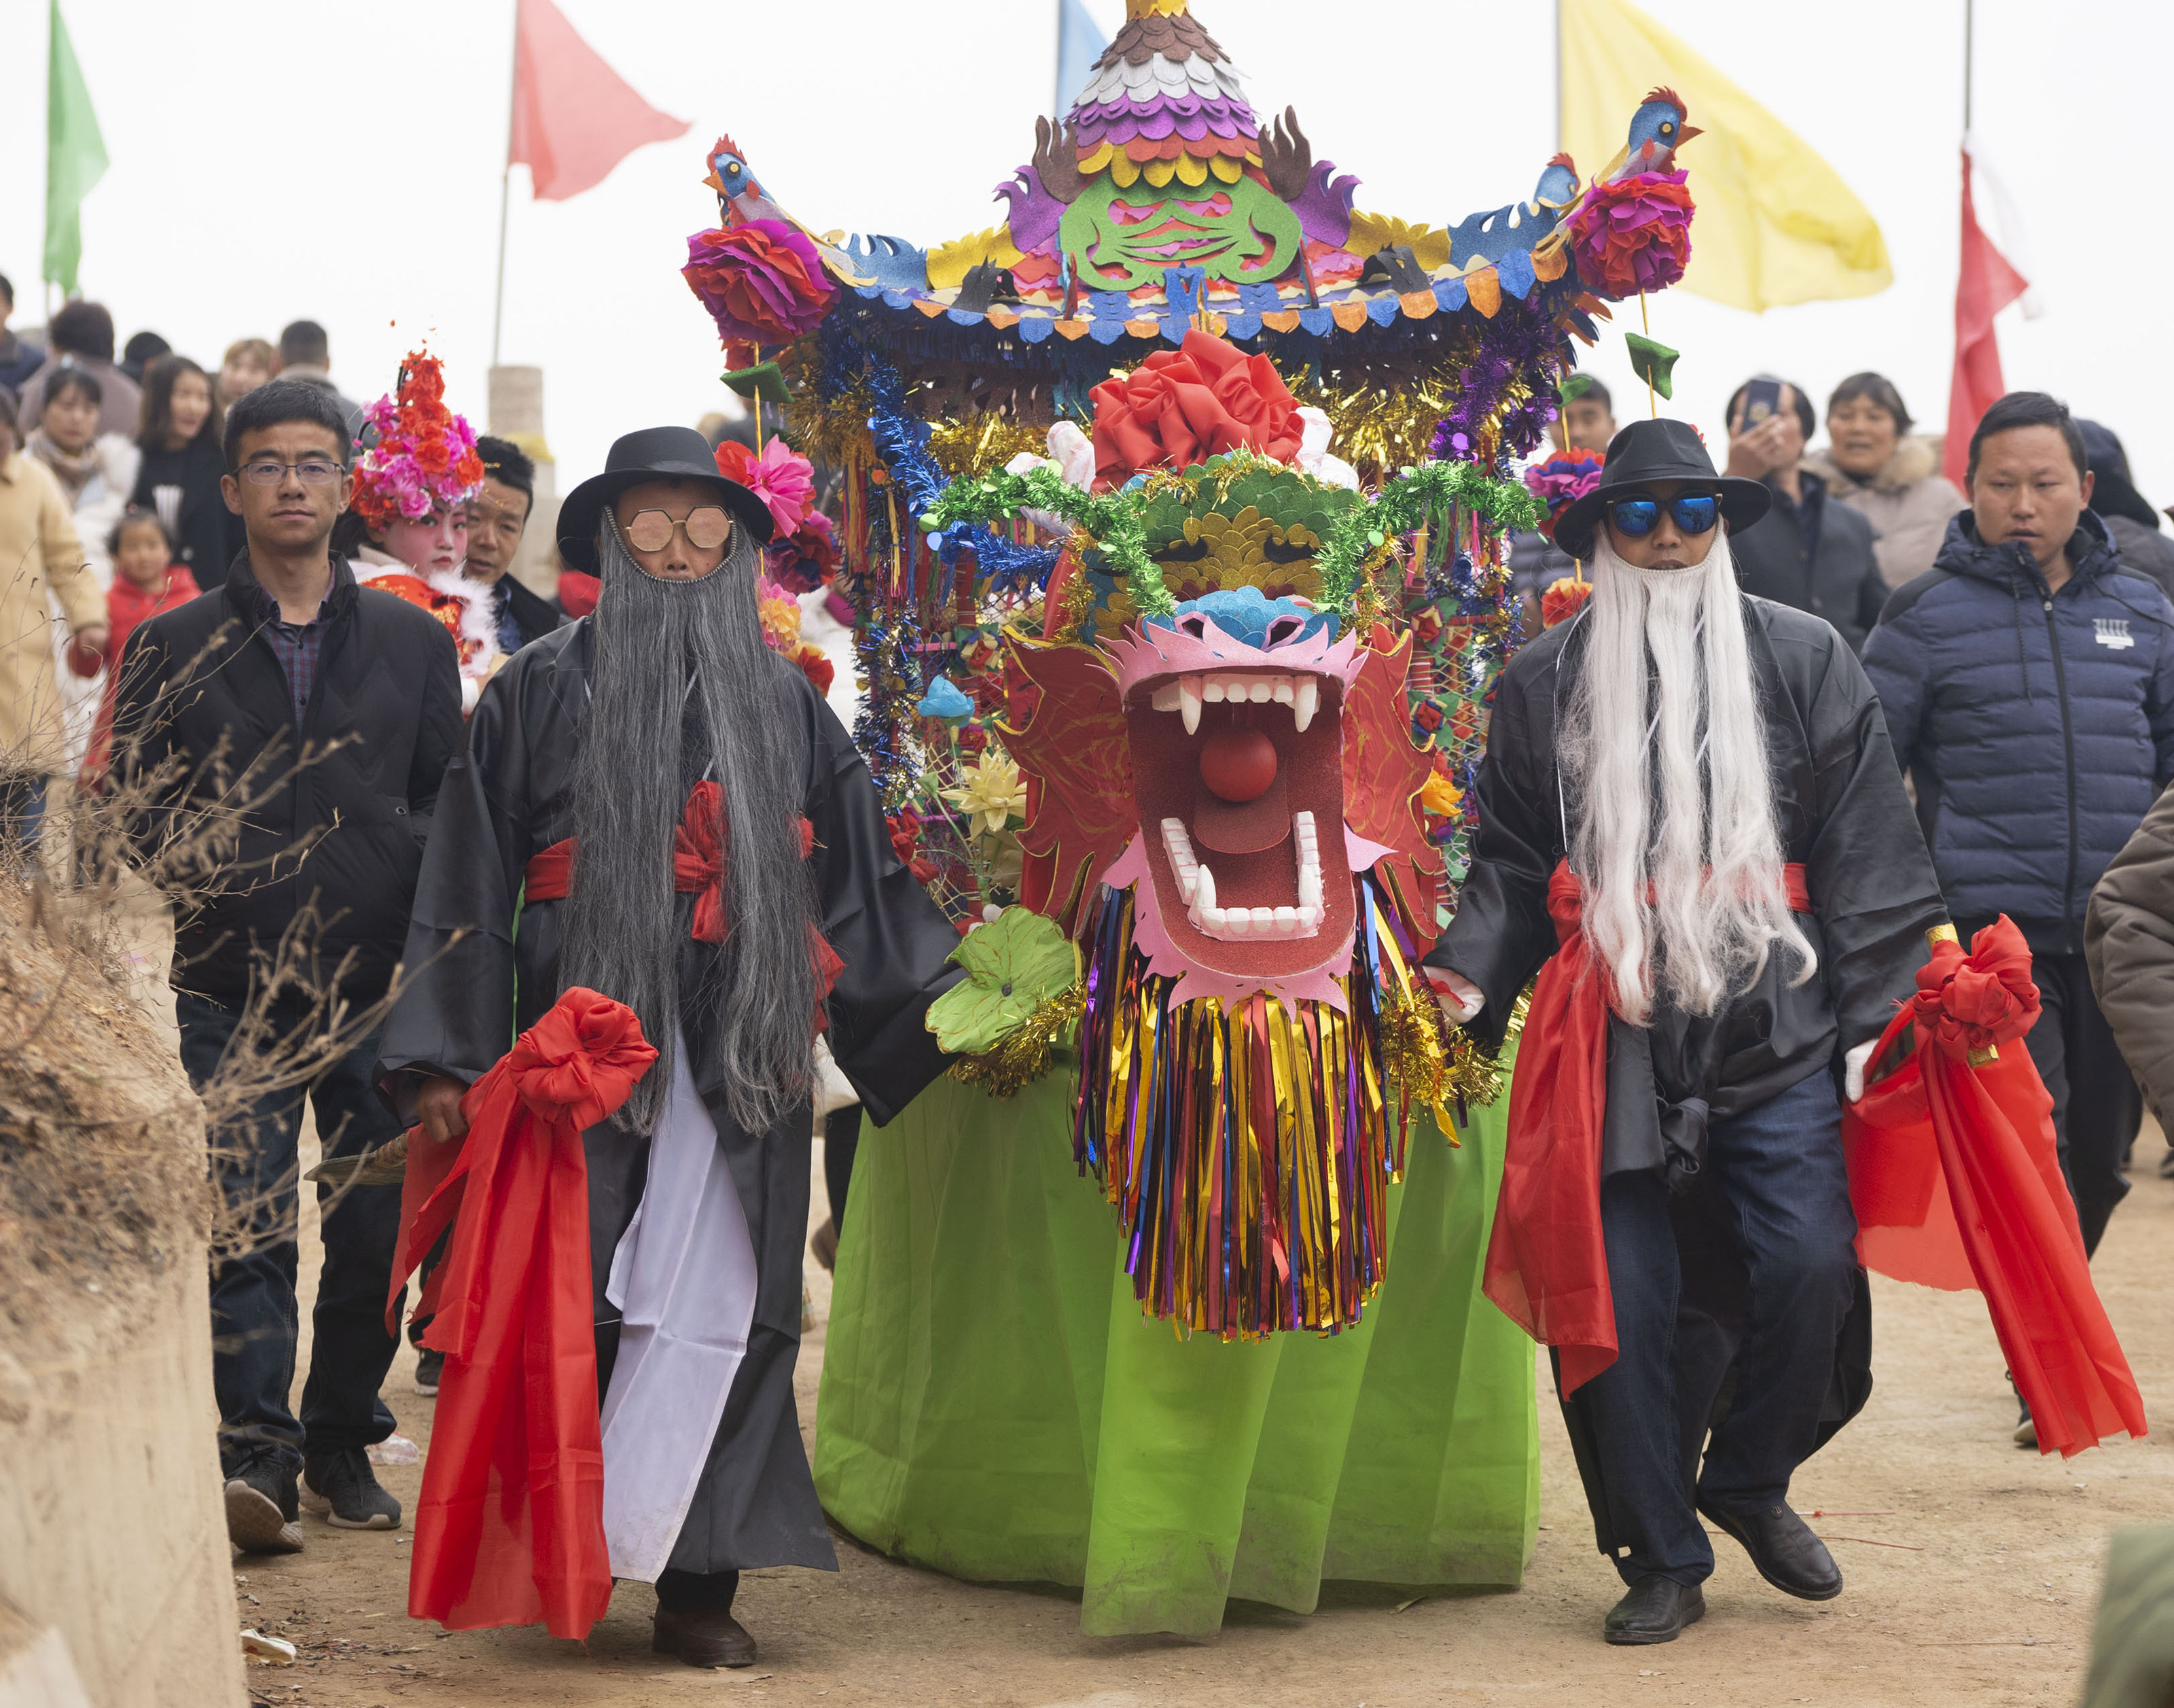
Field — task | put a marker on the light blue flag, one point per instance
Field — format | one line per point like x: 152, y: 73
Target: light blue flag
x: 1079, y: 44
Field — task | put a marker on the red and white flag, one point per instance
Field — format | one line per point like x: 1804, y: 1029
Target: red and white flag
x: 574, y: 117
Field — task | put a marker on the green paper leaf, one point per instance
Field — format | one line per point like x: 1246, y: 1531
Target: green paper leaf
x: 1574, y: 387
x: 1012, y: 967
x: 766, y: 381
x: 1653, y: 362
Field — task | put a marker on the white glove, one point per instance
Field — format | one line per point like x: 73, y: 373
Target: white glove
x: 1853, y: 1064
x: 1460, y: 998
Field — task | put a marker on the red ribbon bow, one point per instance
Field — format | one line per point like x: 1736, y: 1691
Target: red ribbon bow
x: 1968, y: 1003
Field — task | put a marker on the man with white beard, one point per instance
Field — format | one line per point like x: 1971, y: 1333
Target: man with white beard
x: 1691, y: 790
x: 654, y: 805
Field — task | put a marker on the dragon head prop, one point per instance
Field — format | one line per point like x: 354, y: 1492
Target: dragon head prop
x: 1226, y: 804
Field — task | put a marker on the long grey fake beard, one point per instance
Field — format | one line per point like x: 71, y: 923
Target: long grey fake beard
x: 1664, y: 755
x: 631, y: 778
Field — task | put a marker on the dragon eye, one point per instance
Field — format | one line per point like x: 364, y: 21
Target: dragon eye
x: 1667, y: 126
x: 1284, y: 629
x: 1195, y: 626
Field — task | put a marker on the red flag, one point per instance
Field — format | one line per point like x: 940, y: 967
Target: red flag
x: 1985, y: 284
x: 574, y: 117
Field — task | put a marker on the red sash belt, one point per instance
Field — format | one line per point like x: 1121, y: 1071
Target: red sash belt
x: 1547, y: 1264
x: 697, y: 869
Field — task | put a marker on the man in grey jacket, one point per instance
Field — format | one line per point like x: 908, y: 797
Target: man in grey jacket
x: 2128, y: 944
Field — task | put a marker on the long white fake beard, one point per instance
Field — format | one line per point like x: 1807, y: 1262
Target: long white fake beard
x: 1665, y: 771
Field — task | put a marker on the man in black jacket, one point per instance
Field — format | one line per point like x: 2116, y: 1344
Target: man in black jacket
x: 1806, y: 552
x: 1691, y: 793
x: 310, y: 721
x: 498, y: 517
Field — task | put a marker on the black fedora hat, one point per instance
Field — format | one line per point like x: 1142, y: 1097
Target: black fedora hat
x: 655, y: 453
x: 1642, y: 453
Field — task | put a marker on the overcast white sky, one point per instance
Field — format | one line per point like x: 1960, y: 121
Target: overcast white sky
x: 343, y: 162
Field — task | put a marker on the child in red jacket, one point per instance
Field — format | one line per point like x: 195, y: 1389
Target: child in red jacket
x: 147, y: 582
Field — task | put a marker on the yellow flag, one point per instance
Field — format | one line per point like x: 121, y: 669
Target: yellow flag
x: 1775, y: 224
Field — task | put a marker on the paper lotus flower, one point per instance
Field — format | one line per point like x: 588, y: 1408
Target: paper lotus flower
x: 780, y: 477
x: 1013, y: 966
x: 992, y: 794
x: 1564, y: 479
x: 425, y: 457
x: 762, y: 281
x: 1633, y: 235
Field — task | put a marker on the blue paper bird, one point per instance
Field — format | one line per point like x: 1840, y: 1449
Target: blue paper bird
x: 1523, y: 225
x: 1657, y: 129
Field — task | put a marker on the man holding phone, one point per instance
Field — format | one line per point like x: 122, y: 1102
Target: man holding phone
x: 1805, y: 553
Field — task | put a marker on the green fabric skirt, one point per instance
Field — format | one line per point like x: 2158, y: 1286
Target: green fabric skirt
x: 994, y: 1405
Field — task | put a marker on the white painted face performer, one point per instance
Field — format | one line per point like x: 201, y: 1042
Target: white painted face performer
x: 1692, y: 828
x: 674, y: 819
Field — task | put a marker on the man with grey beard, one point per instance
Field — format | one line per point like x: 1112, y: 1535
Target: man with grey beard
x: 1691, y: 792
x: 673, y: 818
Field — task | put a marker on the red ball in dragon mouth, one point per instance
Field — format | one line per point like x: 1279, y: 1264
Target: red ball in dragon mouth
x: 1238, y: 764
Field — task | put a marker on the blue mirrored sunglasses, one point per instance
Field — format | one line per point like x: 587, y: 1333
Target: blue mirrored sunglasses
x: 1695, y: 513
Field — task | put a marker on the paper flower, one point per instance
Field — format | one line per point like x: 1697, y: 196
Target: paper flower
x: 1181, y: 407
x: 424, y: 456
x: 762, y: 282
x: 1565, y: 477
x: 781, y: 617
x: 781, y: 477
x: 944, y: 700
x: 992, y: 794
x: 905, y: 827
x: 1633, y: 235
x: 1563, y: 600
x: 806, y: 558
x: 1441, y: 797
x: 816, y: 666
x: 1014, y: 967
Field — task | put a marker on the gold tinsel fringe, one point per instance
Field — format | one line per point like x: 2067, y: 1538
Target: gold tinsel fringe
x: 1431, y: 1064
x: 981, y: 444
x: 1029, y: 1053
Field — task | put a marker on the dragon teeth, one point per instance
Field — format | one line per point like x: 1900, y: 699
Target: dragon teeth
x: 1197, y: 885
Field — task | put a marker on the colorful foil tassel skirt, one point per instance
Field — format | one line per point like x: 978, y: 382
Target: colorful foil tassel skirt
x: 1248, y: 1148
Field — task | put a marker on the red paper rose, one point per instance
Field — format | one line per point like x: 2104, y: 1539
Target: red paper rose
x: 1181, y: 407
x: 762, y: 282
x: 1633, y: 235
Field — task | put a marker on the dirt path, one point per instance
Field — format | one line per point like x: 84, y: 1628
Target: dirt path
x: 1973, y: 1571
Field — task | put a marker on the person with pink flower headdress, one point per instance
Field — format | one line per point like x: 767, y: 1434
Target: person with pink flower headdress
x: 408, y: 522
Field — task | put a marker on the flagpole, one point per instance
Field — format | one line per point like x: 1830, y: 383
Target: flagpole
x: 1559, y: 141
x: 1969, y: 52
x: 1056, y: 74
x: 505, y: 187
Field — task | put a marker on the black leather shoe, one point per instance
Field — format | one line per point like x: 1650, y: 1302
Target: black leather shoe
x: 1656, y: 1611
x: 1782, y: 1547
x: 704, y: 1640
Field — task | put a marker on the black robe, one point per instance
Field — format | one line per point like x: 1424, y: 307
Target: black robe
x: 1843, y: 815
x: 509, y: 798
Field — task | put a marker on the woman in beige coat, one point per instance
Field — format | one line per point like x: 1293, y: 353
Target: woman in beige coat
x: 1873, y: 464
x: 39, y: 553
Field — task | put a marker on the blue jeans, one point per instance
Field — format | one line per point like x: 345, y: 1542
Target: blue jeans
x: 1780, y: 1170
x: 254, y: 1323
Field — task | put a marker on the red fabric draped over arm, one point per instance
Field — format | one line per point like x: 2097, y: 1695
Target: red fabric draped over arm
x: 1956, y: 1177
x: 510, y: 1527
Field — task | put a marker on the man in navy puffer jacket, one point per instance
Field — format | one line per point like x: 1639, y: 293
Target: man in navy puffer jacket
x: 2028, y: 682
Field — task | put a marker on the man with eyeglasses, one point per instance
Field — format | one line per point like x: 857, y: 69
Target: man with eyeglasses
x: 654, y: 806
x: 1691, y: 792
x: 288, y: 731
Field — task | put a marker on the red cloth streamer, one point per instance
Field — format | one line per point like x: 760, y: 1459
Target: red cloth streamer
x: 509, y: 1528
x: 1955, y: 1178
x: 1547, y: 1263
x: 697, y: 869
x: 1181, y: 407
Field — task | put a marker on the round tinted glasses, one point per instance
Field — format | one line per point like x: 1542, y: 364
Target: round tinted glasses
x: 1694, y: 512
x: 708, y: 526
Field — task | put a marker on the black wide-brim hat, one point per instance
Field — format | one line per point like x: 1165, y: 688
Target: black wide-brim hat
x: 655, y: 453
x: 1642, y: 453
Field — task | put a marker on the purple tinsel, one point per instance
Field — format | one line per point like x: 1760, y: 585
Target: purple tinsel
x: 1520, y: 342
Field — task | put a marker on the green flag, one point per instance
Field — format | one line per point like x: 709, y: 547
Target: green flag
x: 75, y: 157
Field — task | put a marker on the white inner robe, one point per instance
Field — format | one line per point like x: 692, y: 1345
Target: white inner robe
x: 683, y: 1279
